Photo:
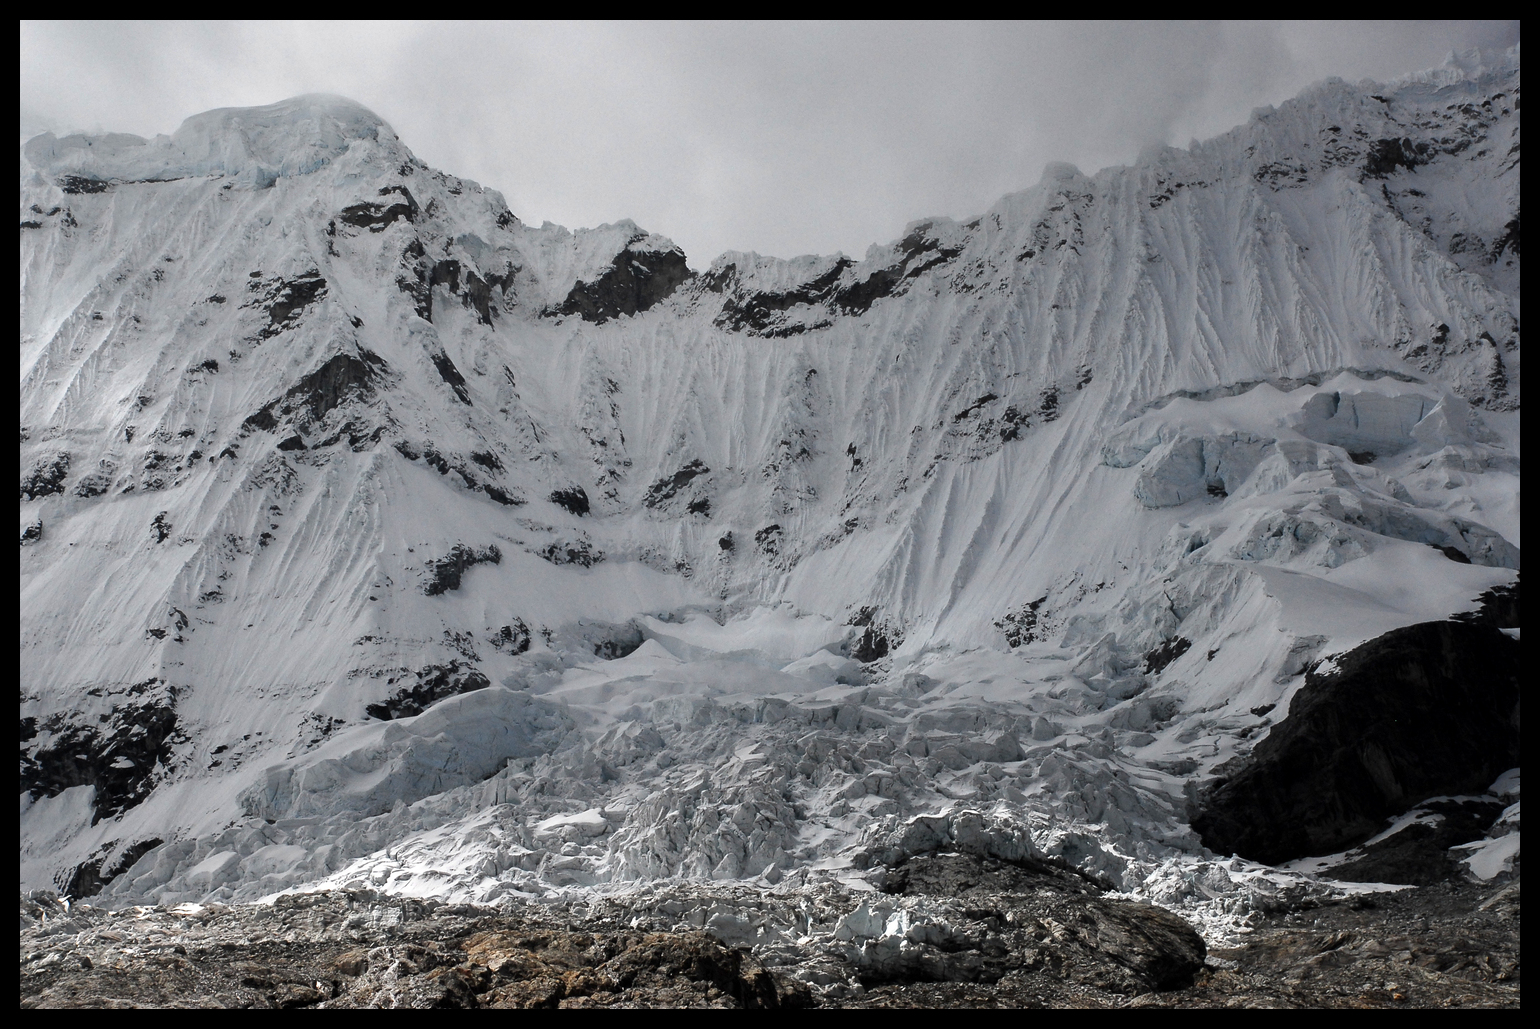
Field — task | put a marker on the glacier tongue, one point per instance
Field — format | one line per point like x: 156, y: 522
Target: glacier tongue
x: 372, y: 535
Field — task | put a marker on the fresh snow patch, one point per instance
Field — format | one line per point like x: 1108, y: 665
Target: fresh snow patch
x: 1488, y: 859
x: 1506, y: 785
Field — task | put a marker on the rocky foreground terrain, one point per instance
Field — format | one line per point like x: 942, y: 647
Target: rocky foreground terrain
x: 1011, y: 935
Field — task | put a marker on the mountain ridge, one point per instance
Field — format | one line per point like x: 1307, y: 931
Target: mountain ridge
x: 1248, y: 396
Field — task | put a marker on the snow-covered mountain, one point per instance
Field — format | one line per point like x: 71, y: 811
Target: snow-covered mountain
x: 371, y: 533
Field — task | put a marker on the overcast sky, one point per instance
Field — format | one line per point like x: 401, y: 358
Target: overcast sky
x: 781, y: 138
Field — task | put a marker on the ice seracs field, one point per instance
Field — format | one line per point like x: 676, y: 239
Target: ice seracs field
x: 370, y: 534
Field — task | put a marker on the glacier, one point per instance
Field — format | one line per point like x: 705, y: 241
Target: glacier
x: 372, y: 535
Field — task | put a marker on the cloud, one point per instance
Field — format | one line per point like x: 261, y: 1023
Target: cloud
x: 784, y: 138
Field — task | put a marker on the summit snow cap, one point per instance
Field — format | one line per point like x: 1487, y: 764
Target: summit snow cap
x: 1061, y: 171
x: 1464, y: 66
x: 255, y: 145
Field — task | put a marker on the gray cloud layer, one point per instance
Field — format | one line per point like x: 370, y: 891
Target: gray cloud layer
x: 781, y: 138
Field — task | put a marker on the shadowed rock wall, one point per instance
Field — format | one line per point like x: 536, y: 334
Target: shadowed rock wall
x: 1428, y: 710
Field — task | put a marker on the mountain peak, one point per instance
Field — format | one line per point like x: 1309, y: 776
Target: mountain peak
x: 254, y: 144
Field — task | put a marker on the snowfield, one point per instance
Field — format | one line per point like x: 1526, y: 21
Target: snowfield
x: 370, y: 535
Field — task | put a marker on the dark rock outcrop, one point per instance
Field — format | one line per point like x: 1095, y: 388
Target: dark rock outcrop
x: 1168, y: 651
x: 75, y: 184
x: 451, y: 375
x: 636, y: 281
x: 578, y: 552
x: 769, y: 539
x: 446, y: 573
x: 502, y: 496
x: 443, y: 464
x: 488, y: 460
x: 834, y: 290
x: 284, y: 300
x: 421, y: 275
x: 93, y: 485
x: 122, y: 753
x: 414, y: 283
x: 1419, y: 854
x: 478, y: 293
x: 344, y: 377
x: 1508, y: 241
x: 376, y: 217
x: 757, y: 312
x: 1499, y: 607
x: 918, y: 252
x: 666, y: 488
x: 89, y: 876
x: 512, y: 639
x: 46, y: 477
x: 1422, y: 711
x: 573, y: 498
x: 877, y: 639
x: 1020, y: 626
x: 434, y: 683
x: 1384, y: 156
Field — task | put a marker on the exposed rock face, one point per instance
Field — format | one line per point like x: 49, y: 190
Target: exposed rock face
x: 121, y: 745
x: 636, y: 281
x: 342, y: 378
x: 1499, y: 607
x: 1422, y: 711
x: 47, y: 477
x: 433, y: 684
x: 830, y: 287
x: 580, y: 552
x: 666, y: 488
x: 1168, y: 651
x: 377, y: 216
x: 445, y: 574
x: 512, y: 639
x: 90, y: 876
x: 451, y: 375
x: 285, y: 301
x: 879, y: 636
x: 1420, y: 854
x: 921, y: 250
x: 757, y: 312
x: 573, y: 498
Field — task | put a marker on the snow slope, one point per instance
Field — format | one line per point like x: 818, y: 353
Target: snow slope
x: 1036, y: 515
